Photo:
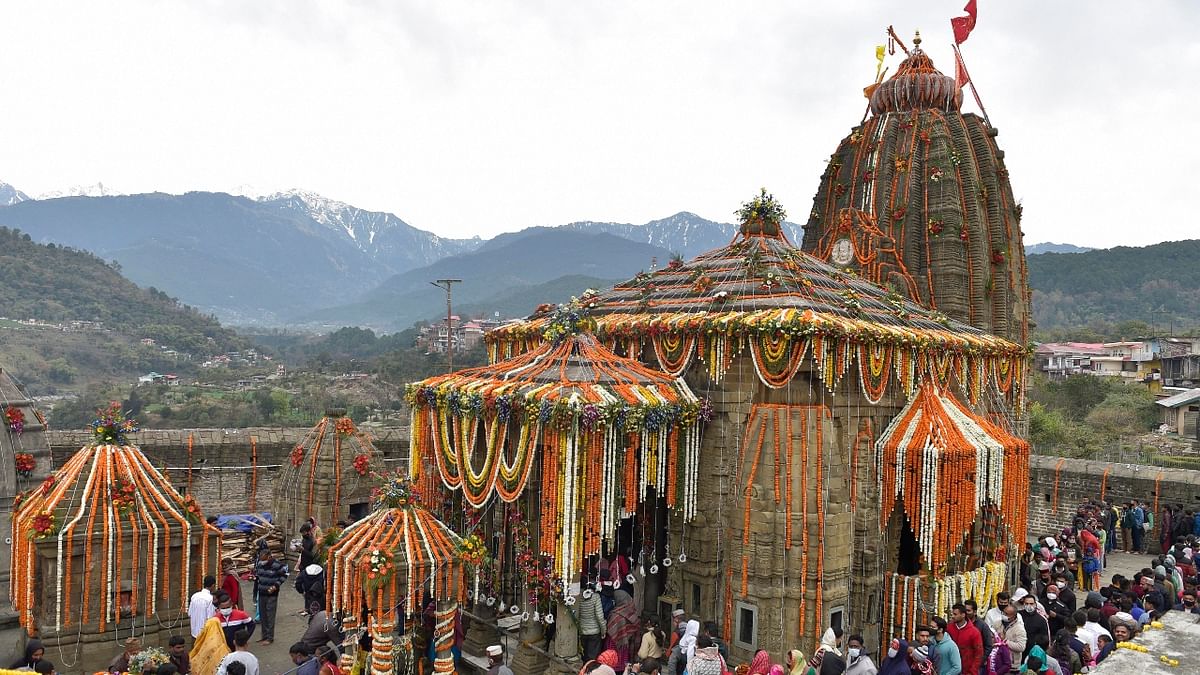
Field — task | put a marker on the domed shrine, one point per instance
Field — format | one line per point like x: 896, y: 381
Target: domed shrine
x: 327, y: 475
x: 917, y: 199
x: 106, y: 544
x: 805, y: 502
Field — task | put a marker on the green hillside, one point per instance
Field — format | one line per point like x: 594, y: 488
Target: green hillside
x: 58, y: 285
x: 1158, y: 285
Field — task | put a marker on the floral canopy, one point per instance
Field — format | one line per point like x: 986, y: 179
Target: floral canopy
x: 109, y: 501
x: 762, y: 293
x: 945, y: 464
x: 608, y: 429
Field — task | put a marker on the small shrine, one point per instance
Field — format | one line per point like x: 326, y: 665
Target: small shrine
x: 105, y: 543
x: 383, y: 568
x: 327, y: 476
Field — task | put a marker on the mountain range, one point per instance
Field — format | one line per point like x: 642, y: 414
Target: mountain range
x: 298, y: 258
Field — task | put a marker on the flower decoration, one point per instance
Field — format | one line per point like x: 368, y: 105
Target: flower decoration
x: 963, y: 234
x: 111, y: 426
x: 472, y: 550
x: 935, y: 174
x: 868, y: 176
x: 192, y: 509
x: 297, y: 456
x: 703, y: 283
x: 839, y: 189
x: 380, y: 566
x: 567, y: 320
x: 676, y: 262
x: 15, y: 419
x: 856, y: 136
x: 901, y: 165
x: 763, y: 210
x: 147, y: 660
x: 720, y: 296
x: 898, y: 213
x: 344, y: 426
x: 362, y: 464
x: 396, y: 492
x: 25, y: 464
x: 45, y: 524
x: 123, y: 495
x: 936, y: 226
x: 49, y: 483
x: 997, y: 257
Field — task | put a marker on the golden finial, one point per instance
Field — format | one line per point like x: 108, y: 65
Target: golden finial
x: 917, y: 39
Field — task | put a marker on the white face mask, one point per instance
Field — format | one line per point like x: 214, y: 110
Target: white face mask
x: 1051, y: 596
x: 1028, y: 608
x: 854, y: 652
x: 891, y: 653
x: 1060, y: 584
x: 226, y: 611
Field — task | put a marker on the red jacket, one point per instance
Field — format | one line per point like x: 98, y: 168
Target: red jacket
x: 970, y: 646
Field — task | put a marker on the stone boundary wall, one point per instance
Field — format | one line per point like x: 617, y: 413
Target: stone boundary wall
x: 222, y: 474
x: 1080, y: 480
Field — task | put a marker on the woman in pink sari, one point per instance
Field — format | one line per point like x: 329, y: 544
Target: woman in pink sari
x: 622, y: 628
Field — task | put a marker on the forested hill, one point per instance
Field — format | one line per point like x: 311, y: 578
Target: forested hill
x: 58, y: 284
x: 1158, y: 284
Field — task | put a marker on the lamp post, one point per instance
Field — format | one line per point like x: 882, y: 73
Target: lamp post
x: 446, y: 285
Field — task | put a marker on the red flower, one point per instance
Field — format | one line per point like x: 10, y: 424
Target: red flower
x: 997, y: 257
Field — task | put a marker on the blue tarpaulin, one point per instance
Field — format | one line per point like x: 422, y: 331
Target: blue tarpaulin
x: 242, y: 523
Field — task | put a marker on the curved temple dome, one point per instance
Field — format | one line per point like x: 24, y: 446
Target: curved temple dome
x: 918, y: 198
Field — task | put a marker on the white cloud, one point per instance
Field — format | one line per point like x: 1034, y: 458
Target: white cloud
x: 478, y: 117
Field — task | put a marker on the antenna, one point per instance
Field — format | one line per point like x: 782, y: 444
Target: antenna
x: 447, y: 284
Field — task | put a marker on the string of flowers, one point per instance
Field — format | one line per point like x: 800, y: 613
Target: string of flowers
x: 15, y: 419
x: 25, y: 464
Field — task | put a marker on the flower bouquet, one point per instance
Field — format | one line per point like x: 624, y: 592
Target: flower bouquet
x: 25, y: 464
x: 45, y: 524
x: 111, y: 426
x: 379, y: 568
x: 362, y: 464
x: 15, y: 419
x: 297, y: 456
x: 148, y: 659
x: 472, y: 550
x: 344, y: 426
x: 123, y: 496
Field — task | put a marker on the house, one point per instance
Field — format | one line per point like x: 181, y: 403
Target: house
x: 150, y: 378
x: 1061, y: 359
x: 1181, y: 413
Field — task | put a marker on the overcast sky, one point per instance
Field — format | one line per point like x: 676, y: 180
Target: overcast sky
x: 468, y: 118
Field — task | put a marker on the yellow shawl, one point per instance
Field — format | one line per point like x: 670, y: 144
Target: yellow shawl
x: 209, y: 648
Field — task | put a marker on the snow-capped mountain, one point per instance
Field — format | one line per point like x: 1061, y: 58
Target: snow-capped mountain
x: 685, y: 233
x: 97, y: 189
x: 10, y: 195
x: 379, y: 234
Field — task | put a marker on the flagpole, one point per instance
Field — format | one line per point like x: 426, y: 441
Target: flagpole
x: 974, y: 92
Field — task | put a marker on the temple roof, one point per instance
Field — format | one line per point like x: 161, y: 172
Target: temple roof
x: 917, y: 84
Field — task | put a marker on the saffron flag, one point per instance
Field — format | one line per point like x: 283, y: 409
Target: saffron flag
x: 961, y: 76
x: 963, y: 25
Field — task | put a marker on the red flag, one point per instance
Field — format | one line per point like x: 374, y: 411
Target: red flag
x: 961, y: 76
x: 963, y: 25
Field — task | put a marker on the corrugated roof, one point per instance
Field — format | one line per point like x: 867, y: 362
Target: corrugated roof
x: 1189, y: 396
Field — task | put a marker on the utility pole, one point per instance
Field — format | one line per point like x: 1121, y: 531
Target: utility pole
x: 446, y: 285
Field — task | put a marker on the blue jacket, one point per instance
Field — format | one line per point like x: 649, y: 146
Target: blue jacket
x: 1196, y: 525
x: 1139, y: 516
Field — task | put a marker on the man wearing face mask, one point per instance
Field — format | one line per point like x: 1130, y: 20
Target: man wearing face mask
x: 1037, y: 629
x: 857, y: 661
x: 996, y: 614
x: 949, y: 658
x: 1011, y: 630
x: 1057, y: 611
x: 1188, y: 603
x: 232, y: 619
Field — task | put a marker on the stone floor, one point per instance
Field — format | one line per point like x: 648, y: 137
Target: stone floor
x: 1177, y: 639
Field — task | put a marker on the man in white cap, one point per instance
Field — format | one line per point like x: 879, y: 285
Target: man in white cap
x: 496, y: 665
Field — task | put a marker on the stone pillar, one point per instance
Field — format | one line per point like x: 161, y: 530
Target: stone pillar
x: 482, y: 631
x: 566, y: 644
x: 443, y: 636
x: 529, y: 657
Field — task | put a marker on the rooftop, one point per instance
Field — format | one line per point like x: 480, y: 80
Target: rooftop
x: 1185, y: 398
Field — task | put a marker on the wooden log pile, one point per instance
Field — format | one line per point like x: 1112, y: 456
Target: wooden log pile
x: 242, y: 547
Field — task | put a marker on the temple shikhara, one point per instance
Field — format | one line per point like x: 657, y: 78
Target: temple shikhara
x: 779, y: 435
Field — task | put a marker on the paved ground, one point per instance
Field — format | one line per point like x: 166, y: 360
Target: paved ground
x: 1176, y: 640
x: 289, y: 626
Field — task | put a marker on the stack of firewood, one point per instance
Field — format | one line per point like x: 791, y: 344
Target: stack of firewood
x: 242, y: 547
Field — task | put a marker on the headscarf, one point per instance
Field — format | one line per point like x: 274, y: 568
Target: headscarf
x: 898, y: 664
x: 797, y: 662
x: 609, y: 658
x: 30, y: 647
x: 687, y: 643
x: 1041, y: 654
x: 760, y: 664
x: 209, y: 648
x: 776, y: 670
x: 829, y: 641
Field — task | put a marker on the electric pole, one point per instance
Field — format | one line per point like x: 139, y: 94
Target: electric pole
x: 446, y: 285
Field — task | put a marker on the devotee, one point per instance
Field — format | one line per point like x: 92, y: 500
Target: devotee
x: 231, y: 619
x: 949, y: 659
x: 209, y: 648
x: 201, y: 607
x: 996, y: 614
x: 306, y: 664
x: 1011, y: 630
x: 120, y: 664
x: 831, y: 642
x: 857, y: 660
x: 705, y: 659
x: 794, y: 662
x: 653, y: 640
x: 682, y: 651
x: 650, y: 667
x: 1106, y: 647
x: 896, y: 661
x: 34, y: 651
x: 678, y: 622
x: 177, y: 651
x: 622, y: 628
x: 308, y: 547
x: 1188, y: 603
x: 922, y: 651
x: 269, y: 575
x: 966, y: 636
x: 230, y: 583
x: 310, y: 584
x: 1068, y: 660
x: 327, y: 657
x: 710, y: 629
x: 321, y: 631
x: 592, y: 625
x: 235, y: 668
x: 985, y: 632
x: 44, y: 667
x: 240, y: 654
x: 760, y: 664
x: 1037, y: 629
x: 496, y: 665
x: 1122, y: 633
